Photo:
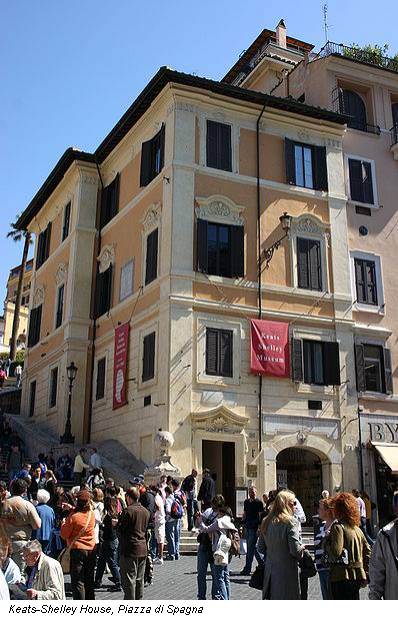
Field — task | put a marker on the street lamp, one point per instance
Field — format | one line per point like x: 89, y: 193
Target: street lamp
x: 285, y: 221
x: 67, y: 438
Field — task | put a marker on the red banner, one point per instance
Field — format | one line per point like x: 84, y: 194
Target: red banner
x: 120, y: 365
x: 269, y: 348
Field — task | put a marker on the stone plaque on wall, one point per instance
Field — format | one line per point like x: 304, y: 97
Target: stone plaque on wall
x: 251, y: 471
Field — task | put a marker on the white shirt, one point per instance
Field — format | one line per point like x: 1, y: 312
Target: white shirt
x: 12, y: 573
x: 95, y: 461
x: 160, y: 515
x: 362, y: 507
x: 4, y: 592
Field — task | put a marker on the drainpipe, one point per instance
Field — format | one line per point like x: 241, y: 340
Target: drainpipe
x: 90, y: 402
x: 260, y: 377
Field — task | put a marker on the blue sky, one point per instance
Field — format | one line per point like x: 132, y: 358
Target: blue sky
x: 70, y: 69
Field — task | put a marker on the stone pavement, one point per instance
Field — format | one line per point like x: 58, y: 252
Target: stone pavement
x: 177, y: 581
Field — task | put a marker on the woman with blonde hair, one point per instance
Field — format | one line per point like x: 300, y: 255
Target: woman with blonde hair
x: 280, y: 541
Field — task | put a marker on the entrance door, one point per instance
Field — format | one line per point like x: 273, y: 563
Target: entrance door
x: 219, y: 458
x: 301, y: 471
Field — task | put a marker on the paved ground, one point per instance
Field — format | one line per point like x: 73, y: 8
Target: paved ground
x: 177, y: 581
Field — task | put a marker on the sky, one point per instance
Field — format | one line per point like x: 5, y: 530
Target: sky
x: 69, y: 70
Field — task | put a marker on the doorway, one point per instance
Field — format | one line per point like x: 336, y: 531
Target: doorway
x: 219, y: 458
x: 300, y: 470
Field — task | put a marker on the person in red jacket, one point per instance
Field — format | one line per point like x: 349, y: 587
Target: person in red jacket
x: 78, y: 532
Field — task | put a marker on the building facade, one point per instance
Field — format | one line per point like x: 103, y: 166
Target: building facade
x: 9, y: 307
x: 152, y: 258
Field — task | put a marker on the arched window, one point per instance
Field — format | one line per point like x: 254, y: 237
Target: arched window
x: 353, y: 106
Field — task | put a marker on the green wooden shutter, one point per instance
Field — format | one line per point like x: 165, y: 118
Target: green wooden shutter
x: 320, y: 168
x: 303, y: 263
x: 148, y: 361
x: 201, y: 246
x: 151, y: 266
x: 315, y: 262
x: 290, y: 162
x: 331, y: 363
x: 224, y: 147
x: 225, y: 354
x: 356, y: 180
x: 238, y: 250
x: 360, y: 368
x: 388, y: 371
x: 359, y: 281
x: 297, y: 360
x: 211, y: 351
x: 146, y: 157
x: 211, y: 144
x: 368, y: 197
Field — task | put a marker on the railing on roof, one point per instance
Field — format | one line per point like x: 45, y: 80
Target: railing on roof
x: 357, y: 53
x: 394, y: 135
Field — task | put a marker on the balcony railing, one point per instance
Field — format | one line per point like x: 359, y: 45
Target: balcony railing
x: 354, y: 123
x: 394, y: 135
x: 359, y: 54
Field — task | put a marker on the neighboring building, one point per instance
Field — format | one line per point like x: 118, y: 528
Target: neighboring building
x: 3, y: 347
x: 159, y: 229
x: 9, y: 306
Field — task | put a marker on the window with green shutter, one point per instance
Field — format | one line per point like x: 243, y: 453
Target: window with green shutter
x: 218, y: 146
x: 151, y: 266
x: 109, y: 201
x: 148, y: 357
x: 220, y: 249
x: 152, y: 157
x: 309, y: 264
x: 361, y: 181
x: 219, y: 352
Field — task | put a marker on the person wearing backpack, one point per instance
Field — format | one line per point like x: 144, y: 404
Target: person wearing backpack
x: 189, y: 488
x: 223, y: 535
x: 383, y: 566
x: 174, y: 513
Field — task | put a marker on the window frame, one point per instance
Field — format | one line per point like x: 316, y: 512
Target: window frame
x: 218, y: 372
x: 235, y: 132
x: 98, y: 361
x: 153, y: 327
x: 204, y: 321
x: 64, y: 235
x: 52, y: 404
x: 153, y: 172
x: 58, y: 288
x: 370, y: 257
x: 347, y: 157
x: 318, y: 231
x: 381, y: 368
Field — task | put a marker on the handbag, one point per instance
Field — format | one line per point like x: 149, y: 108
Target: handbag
x: 257, y: 577
x: 64, y: 556
x: 307, y: 565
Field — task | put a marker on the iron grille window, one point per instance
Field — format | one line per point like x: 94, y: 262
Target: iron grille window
x: 100, y: 386
x: 309, y: 264
x: 60, y: 306
x: 148, y: 359
x: 53, y: 387
x: 219, y: 352
x: 218, y: 146
x: 152, y: 157
x: 65, y: 227
x: 365, y: 281
x: 361, y: 182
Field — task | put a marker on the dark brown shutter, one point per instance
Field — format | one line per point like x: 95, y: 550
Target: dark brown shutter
x: 238, y: 250
x: 201, y: 246
x: 211, y: 351
x: 103, y: 292
x: 360, y: 368
x: 114, y: 207
x: 47, y: 241
x: 297, y: 360
x: 108, y: 288
x: 388, y: 371
x: 32, y: 398
x: 224, y: 147
x: 367, y: 183
x: 371, y: 284
x: 320, y: 168
x: 162, y: 143
x: 100, y: 386
x: 290, y: 162
x: 211, y: 144
x: 359, y: 281
x: 225, y: 353
x: 302, y: 263
x: 53, y: 387
x: 315, y: 265
x: 65, y: 228
x: 151, y: 266
x: 145, y: 173
x: 148, y: 360
x: 34, y: 326
x: 104, y: 201
x: 331, y: 358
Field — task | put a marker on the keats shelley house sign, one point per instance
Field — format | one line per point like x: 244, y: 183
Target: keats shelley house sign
x: 120, y: 365
x: 269, y: 348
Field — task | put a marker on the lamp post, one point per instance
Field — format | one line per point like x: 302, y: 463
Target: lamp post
x: 285, y: 221
x: 67, y: 438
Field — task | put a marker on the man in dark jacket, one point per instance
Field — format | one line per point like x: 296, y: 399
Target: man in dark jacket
x: 189, y: 488
x: 207, y: 490
x: 133, y: 546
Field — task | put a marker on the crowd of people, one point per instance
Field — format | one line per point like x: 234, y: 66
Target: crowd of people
x: 63, y: 517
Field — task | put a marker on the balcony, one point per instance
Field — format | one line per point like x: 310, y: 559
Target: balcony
x: 354, y: 122
x: 359, y: 55
x: 394, y: 141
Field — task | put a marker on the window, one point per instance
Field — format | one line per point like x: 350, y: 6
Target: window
x: 32, y: 398
x: 100, y: 386
x: 220, y: 249
x: 306, y: 165
x: 395, y: 114
x: 126, y: 280
x: 315, y: 362
x: 218, y: 146
x: 66, y: 223
x: 219, y: 354
x: 43, y: 246
x: 151, y: 266
x: 309, y: 264
x: 361, y: 181
x: 53, y: 387
x: 103, y: 292
x: 152, y: 157
x: 109, y: 201
x: 365, y: 281
x: 60, y: 306
x: 353, y: 105
x: 373, y: 368
x: 34, y: 326
x: 148, y: 358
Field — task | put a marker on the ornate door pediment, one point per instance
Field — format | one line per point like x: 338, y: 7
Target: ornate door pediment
x: 219, y: 420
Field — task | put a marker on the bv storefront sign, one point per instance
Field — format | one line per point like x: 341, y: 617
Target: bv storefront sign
x: 120, y: 365
x: 384, y: 432
x: 269, y: 348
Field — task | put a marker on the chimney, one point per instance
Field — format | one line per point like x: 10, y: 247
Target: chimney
x: 281, y: 34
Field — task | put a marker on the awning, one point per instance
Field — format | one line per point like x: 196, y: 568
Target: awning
x: 389, y: 453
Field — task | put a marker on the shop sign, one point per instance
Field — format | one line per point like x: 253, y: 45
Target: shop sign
x: 383, y: 432
x: 269, y: 349
x: 120, y: 365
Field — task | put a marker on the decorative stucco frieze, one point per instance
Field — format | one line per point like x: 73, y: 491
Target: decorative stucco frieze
x: 106, y: 257
x: 219, y: 420
x: 62, y: 274
x: 38, y: 297
x: 219, y: 209
x: 308, y: 225
x: 152, y: 217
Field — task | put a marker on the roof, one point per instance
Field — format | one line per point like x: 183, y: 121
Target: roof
x: 144, y: 100
x: 262, y: 38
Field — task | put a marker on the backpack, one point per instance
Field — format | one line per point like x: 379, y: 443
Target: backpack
x: 234, y: 537
x: 188, y: 484
x: 176, y: 511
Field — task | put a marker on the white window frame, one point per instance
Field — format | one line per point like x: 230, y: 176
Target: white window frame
x: 371, y: 257
x: 52, y: 409
x: 150, y: 222
x: 313, y: 229
x: 347, y: 180
x: 235, y: 130
x: 207, y: 321
x: 152, y: 328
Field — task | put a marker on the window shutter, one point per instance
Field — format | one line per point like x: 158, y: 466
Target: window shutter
x: 104, y: 201
x: 360, y: 368
x: 103, y: 292
x: 356, y: 185
x: 332, y: 363
x: 321, y: 174
x: 302, y: 263
x: 371, y: 284
x: 224, y: 147
x: 297, y: 360
x: 48, y: 240
x: 100, y: 387
x: 148, y: 361
x: 108, y: 288
x: 290, y: 163
x: 151, y: 266
x: 201, y: 246
x: 225, y: 353
x: 359, y: 281
x: 238, y: 250
x: 367, y: 183
x: 388, y: 371
x: 65, y: 229
x: 315, y: 265
x: 162, y: 142
x: 145, y: 173
x: 211, y: 351
x: 114, y: 207
x: 211, y: 144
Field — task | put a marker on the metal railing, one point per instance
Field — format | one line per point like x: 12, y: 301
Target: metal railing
x: 354, y: 123
x: 359, y: 54
x: 394, y: 134
x: 10, y: 400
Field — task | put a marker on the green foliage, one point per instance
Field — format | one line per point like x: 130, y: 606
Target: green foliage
x: 374, y: 54
x: 19, y: 357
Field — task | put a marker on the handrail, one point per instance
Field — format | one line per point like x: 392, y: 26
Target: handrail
x: 357, y: 53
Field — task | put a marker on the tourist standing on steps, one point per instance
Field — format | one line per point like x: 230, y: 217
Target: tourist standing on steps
x: 80, y: 467
x: 207, y: 490
x: 133, y: 546
x: 160, y: 527
x: 188, y: 486
x: 95, y: 459
x: 109, y: 546
x: 205, y: 552
x: 252, y: 509
x: 47, y: 518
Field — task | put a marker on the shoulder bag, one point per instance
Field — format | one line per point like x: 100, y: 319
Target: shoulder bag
x: 64, y: 556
